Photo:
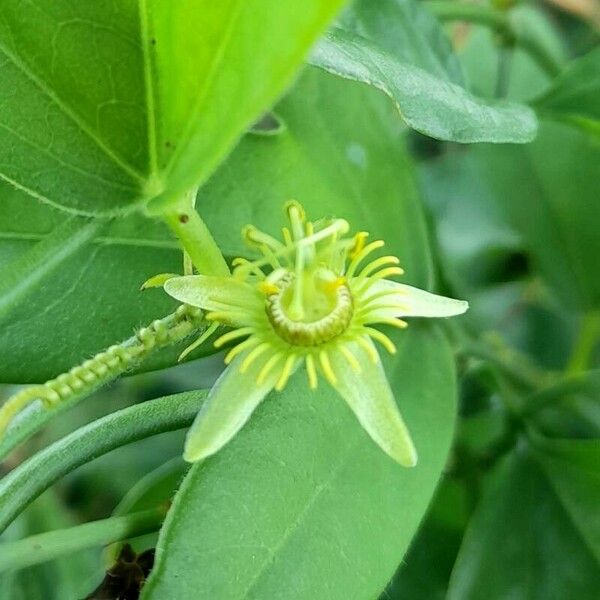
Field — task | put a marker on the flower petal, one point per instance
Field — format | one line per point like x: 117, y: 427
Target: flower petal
x: 215, y: 293
x: 410, y: 301
x: 370, y: 397
x: 229, y: 405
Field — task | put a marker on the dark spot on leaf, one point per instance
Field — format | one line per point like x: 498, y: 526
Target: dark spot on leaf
x: 269, y: 124
x: 183, y: 218
x: 153, y: 42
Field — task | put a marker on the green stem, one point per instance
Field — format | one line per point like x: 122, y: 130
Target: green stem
x: 31, y: 478
x: 583, y: 350
x: 194, y: 235
x: 500, y: 22
x: 71, y: 388
x: 50, y: 545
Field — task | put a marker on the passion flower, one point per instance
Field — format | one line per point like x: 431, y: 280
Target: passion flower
x: 310, y: 301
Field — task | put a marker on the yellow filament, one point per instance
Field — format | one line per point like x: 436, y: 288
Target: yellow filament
x: 232, y: 335
x: 369, y: 349
x: 393, y: 321
x: 359, y: 243
x: 351, y: 359
x: 362, y: 255
x: 383, y: 339
x: 267, y: 368
x: 380, y: 262
x: 209, y: 331
x: 253, y: 355
x: 311, y: 371
x: 240, y: 348
x: 326, y: 366
x: 285, y: 372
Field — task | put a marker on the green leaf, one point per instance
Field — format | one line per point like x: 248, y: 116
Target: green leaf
x: 31, y: 478
x: 107, y: 104
x: 302, y: 484
x: 57, y: 281
x: 548, y: 191
x: 573, y: 96
x: 398, y: 48
x: 522, y: 544
x: 435, y: 107
x: 571, y: 467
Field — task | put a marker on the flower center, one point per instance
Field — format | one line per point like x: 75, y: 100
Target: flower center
x: 328, y: 313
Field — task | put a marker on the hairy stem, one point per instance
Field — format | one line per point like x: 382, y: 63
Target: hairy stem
x: 70, y: 388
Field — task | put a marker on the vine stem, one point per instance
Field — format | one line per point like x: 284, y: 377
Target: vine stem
x: 50, y: 545
x: 583, y: 350
x: 501, y: 23
x: 69, y: 388
x: 185, y: 222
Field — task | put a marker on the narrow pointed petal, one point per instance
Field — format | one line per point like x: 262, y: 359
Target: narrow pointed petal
x: 214, y: 293
x: 370, y: 397
x: 229, y: 405
x: 410, y: 301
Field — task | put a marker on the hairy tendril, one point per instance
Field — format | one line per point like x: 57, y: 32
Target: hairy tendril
x: 105, y: 366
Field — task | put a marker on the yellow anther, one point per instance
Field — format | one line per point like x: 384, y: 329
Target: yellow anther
x: 267, y: 288
x: 360, y: 240
x: 332, y: 286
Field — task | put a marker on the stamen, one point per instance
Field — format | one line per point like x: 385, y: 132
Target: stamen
x: 362, y: 255
x: 360, y: 240
x: 311, y: 371
x: 232, y: 335
x: 209, y: 331
x: 268, y: 367
x: 285, y: 372
x: 251, y: 341
x: 255, y: 237
x: 243, y: 266
x: 383, y: 339
x: 350, y: 358
x: 253, y: 355
x: 326, y: 366
x: 267, y: 288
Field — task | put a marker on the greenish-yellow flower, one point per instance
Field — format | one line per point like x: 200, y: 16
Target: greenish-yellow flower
x: 310, y: 301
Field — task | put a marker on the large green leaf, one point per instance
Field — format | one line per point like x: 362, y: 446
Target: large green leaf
x: 106, y: 103
x: 522, y: 544
x: 549, y: 192
x: 65, y: 297
x: 399, y: 48
x: 302, y: 504
x: 574, y: 95
x: 302, y: 484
